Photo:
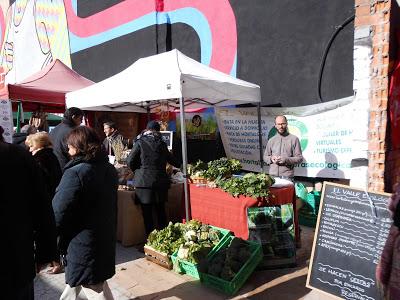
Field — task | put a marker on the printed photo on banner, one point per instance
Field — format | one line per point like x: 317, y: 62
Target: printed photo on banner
x: 200, y: 125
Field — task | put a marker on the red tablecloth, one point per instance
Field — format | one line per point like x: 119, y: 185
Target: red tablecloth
x: 216, y: 207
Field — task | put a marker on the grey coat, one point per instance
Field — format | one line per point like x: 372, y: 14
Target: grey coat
x: 288, y: 147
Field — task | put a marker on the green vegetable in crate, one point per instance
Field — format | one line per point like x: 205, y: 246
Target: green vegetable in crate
x: 168, y: 239
x: 199, y: 241
x: 214, y: 235
x: 193, y: 225
x: 227, y: 262
x: 191, y: 235
x: 193, y: 252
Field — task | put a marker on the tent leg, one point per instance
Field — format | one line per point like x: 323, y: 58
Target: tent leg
x: 260, y: 137
x: 19, y: 113
x: 184, y: 158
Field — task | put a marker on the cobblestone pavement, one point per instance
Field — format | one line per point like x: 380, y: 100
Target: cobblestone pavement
x: 50, y: 286
x: 137, y: 278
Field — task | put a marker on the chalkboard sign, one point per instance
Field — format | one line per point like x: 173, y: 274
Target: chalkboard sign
x: 167, y: 137
x: 350, y: 235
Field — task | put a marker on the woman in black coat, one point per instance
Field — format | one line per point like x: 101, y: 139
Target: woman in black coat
x: 40, y: 146
x: 27, y: 222
x: 148, y: 159
x: 85, y: 208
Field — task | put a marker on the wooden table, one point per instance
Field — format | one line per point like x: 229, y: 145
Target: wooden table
x: 130, y: 225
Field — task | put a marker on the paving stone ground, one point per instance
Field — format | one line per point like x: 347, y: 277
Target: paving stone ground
x: 137, y: 278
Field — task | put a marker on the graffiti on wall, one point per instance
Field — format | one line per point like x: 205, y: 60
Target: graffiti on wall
x: 35, y: 31
x: 101, y: 38
x: 216, y: 30
x: 35, y: 34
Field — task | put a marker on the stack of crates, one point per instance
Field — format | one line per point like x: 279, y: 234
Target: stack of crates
x: 308, y: 214
x: 191, y: 269
x: 233, y: 286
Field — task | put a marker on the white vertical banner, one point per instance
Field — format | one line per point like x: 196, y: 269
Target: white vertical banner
x: 331, y: 134
x: 6, y: 119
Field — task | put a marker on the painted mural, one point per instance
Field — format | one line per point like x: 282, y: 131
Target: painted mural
x: 35, y: 33
x: 101, y: 38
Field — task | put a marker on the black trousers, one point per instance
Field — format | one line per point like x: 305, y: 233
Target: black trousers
x: 20, y: 293
x: 152, y: 199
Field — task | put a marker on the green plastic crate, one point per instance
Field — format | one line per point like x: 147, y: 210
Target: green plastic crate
x: 308, y: 220
x: 191, y: 269
x: 231, y: 287
x: 312, y: 202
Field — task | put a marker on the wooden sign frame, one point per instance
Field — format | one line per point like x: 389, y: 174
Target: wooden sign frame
x: 321, y: 205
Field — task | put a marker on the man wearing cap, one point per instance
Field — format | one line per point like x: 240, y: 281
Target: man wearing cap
x: 148, y: 159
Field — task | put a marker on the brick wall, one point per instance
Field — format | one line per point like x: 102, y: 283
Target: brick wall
x: 372, y: 33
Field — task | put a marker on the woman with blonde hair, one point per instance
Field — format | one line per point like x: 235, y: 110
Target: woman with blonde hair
x: 40, y: 146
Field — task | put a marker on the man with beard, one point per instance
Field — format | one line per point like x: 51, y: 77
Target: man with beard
x: 283, y: 151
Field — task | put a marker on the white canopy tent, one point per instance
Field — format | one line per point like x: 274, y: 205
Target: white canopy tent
x: 170, y: 76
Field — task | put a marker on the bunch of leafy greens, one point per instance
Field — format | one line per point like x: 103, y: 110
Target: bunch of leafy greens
x: 200, y: 239
x: 168, y: 239
x: 250, y: 185
x: 228, y: 261
x: 222, y: 168
x: 197, y: 169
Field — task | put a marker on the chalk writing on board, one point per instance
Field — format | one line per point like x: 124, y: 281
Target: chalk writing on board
x: 352, y: 230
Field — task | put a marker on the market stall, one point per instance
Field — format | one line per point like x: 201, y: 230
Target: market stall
x: 168, y: 77
x: 46, y: 89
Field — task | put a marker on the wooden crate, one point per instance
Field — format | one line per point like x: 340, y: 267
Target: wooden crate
x: 158, y: 257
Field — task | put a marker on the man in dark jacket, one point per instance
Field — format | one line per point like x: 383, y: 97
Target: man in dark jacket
x: 148, y: 159
x: 72, y: 118
x: 114, y: 143
x: 27, y: 219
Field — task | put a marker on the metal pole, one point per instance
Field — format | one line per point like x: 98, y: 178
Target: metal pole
x: 184, y: 157
x: 19, y: 112
x: 260, y: 136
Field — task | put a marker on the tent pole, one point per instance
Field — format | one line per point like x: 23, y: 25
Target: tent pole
x: 184, y: 157
x: 260, y: 136
x: 19, y: 112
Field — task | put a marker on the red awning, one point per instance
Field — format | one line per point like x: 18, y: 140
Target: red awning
x: 47, y: 88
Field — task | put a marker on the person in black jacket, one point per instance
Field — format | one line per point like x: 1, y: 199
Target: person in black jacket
x: 27, y: 220
x: 40, y: 146
x: 72, y: 118
x: 85, y: 208
x: 148, y: 159
x: 20, y: 138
